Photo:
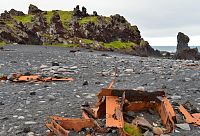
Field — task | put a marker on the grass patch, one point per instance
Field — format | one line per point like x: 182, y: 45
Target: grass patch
x: 2, y: 43
x: 24, y: 19
x: 87, y: 41
x: 62, y: 45
x: 118, y: 45
x: 65, y: 16
x: 132, y: 130
x: 86, y: 20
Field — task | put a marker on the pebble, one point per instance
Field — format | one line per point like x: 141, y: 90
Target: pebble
x: 128, y: 70
x: 28, y: 102
x: 184, y: 126
x: 21, y: 117
x: 175, y: 97
x: 51, y: 97
x: 188, y: 79
x: 30, y: 134
x: 85, y: 83
x: 148, y: 133
x: 157, y: 130
x: 30, y: 122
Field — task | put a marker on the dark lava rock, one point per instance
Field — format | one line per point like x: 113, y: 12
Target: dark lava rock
x: 85, y: 83
x: 183, y: 50
x: 78, y: 13
x: 56, y: 26
x: 14, y: 12
x: 55, y: 64
x: 33, y: 9
x: 1, y: 103
x: 182, y: 42
x: 32, y: 93
x: 6, y: 16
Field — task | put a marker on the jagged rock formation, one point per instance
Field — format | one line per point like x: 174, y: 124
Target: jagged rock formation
x: 56, y: 26
x: 14, y: 12
x: 71, y: 27
x: 183, y: 50
x: 33, y: 9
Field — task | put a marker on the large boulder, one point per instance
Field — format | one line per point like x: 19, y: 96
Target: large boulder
x: 182, y: 42
x: 56, y: 26
x: 183, y: 50
x: 34, y: 9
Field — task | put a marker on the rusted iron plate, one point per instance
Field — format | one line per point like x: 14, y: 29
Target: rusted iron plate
x: 114, y: 116
x: 55, y: 128
x: 167, y: 114
x: 74, y: 124
x: 27, y: 78
x: 3, y: 78
x: 195, y: 120
x: 139, y: 106
x: 131, y: 95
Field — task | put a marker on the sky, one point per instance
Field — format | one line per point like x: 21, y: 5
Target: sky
x: 159, y: 21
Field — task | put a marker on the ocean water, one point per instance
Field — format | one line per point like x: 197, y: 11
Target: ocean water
x: 171, y: 48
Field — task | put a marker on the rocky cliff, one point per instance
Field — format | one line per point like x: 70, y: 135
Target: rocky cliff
x: 73, y: 28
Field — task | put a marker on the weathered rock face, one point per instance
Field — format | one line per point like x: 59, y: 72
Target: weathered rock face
x: 6, y: 16
x: 145, y: 50
x: 20, y: 35
x: 39, y: 23
x: 107, y: 31
x: 14, y: 12
x: 56, y: 26
x: 33, y: 9
x: 182, y: 42
x: 183, y: 50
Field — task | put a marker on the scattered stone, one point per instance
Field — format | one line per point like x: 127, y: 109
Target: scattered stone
x: 184, y: 126
x: 148, y: 133
x: 51, y: 97
x: 140, y: 88
x: 30, y: 134
x: 175, y: 97
x: 30, y: 122
x: 85, y: 83
x: 187, y: 79
x: 43, y: 66
x: 32, y: 93
x: 55, y: 64
x: 1, y: 103
x: 128, y: 70
x: 142, y: 122
x: 26, y: 129
x: 21, y: 117
x: 157, y: 130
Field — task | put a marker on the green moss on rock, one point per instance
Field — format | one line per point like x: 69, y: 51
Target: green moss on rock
x: 118, y: 45
x: 132, y: 130
x: 88, y: 19
x: 24, y: 19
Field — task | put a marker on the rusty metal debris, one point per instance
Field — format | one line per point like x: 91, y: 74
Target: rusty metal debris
x: 190, y: 118
x: 111, y: 105
x: 33, y: 78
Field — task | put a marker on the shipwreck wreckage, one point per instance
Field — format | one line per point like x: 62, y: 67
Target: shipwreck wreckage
x: 112, y: 105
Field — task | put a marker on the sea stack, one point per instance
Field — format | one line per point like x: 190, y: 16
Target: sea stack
x: 183, y: 51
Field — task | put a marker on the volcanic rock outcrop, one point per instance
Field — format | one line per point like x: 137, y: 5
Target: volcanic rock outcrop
x: 73, y: 27
x: 183, y: 50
